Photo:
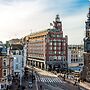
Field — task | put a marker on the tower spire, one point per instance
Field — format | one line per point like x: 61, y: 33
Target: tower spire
x: 57, y: 24
x: 57, y: 19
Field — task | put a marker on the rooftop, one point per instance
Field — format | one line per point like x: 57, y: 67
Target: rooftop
x: 16, y: 47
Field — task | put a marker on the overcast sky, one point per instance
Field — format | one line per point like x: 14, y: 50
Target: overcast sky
x: 21, y: 17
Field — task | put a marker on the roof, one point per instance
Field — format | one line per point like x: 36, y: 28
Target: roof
x: 16, y: 47
x: 35, y: 34
x: 14, y: 41
x: 3, y: 50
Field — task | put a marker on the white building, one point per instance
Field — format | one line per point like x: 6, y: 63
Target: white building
x: 75, y: 55
x: 18, y: 60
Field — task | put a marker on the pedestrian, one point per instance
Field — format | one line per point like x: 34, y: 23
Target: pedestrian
x: 41, y: 87
x: 75, y: 83
x: 64, y: 77
x: 78, y: 80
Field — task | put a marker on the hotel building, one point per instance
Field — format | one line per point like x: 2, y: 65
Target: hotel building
x: 48, y: 49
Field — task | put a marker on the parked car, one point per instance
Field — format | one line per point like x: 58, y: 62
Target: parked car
x: 30, y: 84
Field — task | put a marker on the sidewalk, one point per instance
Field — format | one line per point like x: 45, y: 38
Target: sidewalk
x: 82, y: 84
x: 44, y: 72
x: 85, y: 85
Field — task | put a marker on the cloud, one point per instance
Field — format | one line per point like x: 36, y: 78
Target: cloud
x: 74, y: 26
x: 19, y: 17
x: 11, y: 1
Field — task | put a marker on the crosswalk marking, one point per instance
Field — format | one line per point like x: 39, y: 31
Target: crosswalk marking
x: 49, y: 79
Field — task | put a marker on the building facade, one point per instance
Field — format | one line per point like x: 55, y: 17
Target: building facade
x: 86, y: 70
x: 5, y: 67
x: 18, y: 61
x: 75, y: 56
x: 48, y: 49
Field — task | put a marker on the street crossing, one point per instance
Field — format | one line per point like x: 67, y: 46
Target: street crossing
x: 52, y: 82
x: 55, y: 83
x: 49, y: 79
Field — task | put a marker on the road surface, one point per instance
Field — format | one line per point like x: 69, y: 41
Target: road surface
x: 48, y: 81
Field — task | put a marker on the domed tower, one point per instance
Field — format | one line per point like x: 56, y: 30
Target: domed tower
x: 86, y: 69
x: 57, y: 23
x: 87, y: 36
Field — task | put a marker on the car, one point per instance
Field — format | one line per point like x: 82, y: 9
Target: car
x: 30, y: 84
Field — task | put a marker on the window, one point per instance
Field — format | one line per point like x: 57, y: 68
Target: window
x: 50, y: 48
x: 50, y: 52
x: 14, y: 53
x: 59, y: 48
x: 50, y: 58
x: 59, y: 52
x: 64, y: 52
x: 54, y: 48
x: 17, y: 60
x: 54, y: 43
x: 53, y: 35
x: 59, y: 57
x: 59, y: 44
x: 54, y: 52
x: 16, y: 66
x: 4, y: 63
x: 50, y: 43
x: 58, y: 35
x: 55, y: 57
x: 19, y: 52
x: 4, y: 72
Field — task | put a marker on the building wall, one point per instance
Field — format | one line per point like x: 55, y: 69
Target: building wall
x: 48, y: 47
x: 51, y: 48
x: 75, y: 55
x: 85, y: 75
x: 10, y: 59
x: 25, y: 55
x: 56, y: 46
x: 17, y: 61
x: 87, y: 66
x: 4, y: 64
x: 0, y: 67
x: 36, y: 47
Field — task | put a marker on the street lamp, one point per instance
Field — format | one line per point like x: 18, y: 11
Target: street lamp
x: 67, y: 68
x: 32, y: 71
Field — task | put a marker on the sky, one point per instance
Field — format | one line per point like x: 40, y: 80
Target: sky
x: 19, y: 18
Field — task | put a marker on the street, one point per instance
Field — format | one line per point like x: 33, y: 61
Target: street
x: 45, y: 81
x: 24, y: 84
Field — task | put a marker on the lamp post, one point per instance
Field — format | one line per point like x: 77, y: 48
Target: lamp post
x: 67, y: 68
x: 32, y: 71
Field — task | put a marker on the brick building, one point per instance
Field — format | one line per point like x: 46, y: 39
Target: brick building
x: 48, y: 49
x: 5, y: 66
